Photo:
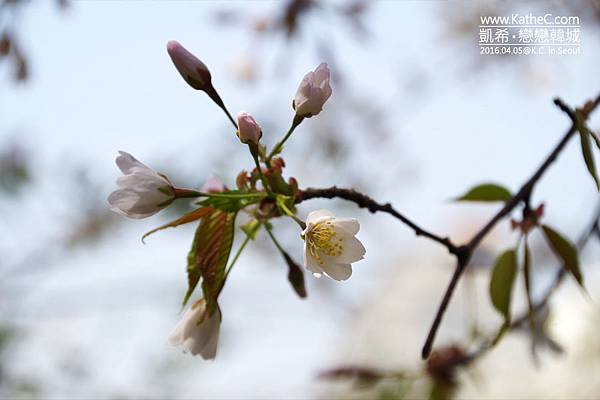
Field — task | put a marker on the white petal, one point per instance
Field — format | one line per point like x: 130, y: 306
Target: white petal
x: 349, y: 225
x: 186, y: 323
x: 126, y: 162
x: 352, y: 250
x: 316, y: 216
x: 321, y: 73
x: 311, y: 263
x: 142, y: 181
x: 338, y: 271
x: 133, y: 204
x: 197, y: 339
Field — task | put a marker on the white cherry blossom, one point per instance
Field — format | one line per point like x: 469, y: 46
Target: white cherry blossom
x: 313, y: 92
x: 196, y: 332
x: 330, y: 245
x: 142, y: 191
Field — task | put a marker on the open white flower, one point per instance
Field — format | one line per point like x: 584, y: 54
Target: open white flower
x: 330, y: 245
x: 313, y: 92
x: 197, y: 332
x: 142, y: 191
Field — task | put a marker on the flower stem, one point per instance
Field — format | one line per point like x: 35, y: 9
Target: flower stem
x: 286, y: 210
x: 254, y: 152
x: 214, y: 95
x: 268, y: 229
x: 279, y: 146
x: 229, y: 116
x: 185, y: 193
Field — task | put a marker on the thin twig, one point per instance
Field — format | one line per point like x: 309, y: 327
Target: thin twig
x: 523, y: 194
x: 561, y: 273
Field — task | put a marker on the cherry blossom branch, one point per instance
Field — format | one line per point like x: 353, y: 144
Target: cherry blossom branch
x: 464, y: 252
x: 364, y: 201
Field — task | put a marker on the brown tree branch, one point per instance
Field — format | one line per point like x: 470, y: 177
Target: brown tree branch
x: 364, y: 201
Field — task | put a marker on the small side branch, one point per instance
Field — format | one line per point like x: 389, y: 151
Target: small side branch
x: 462, y: 253
x: 522, y: 195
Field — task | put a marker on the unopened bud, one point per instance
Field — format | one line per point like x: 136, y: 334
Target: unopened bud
x: 5, y: 44
x: 313, y: 92
x: 195, y: 73
x: 249, y: 131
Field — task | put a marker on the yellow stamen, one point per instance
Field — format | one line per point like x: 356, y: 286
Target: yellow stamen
x: 324, y: 240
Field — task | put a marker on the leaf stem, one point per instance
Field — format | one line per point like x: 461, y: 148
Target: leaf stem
x: 237, y: 255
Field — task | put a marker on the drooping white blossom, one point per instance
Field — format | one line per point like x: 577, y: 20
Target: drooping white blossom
x: 142, y: 191
x: 313, y: 92
x: 249, y: 131
x: 197, y: 332
x: 330, y: 245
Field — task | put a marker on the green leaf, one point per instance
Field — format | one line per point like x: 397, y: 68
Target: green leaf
x: 488, y: 192
x: 209, y: 254
x: 251, y: 228
x: 588, y: 155
x: 564, y: 250
x: 501, y: 284
x: 186, y: 218
x: 527, y: 277
x: 595, y: 137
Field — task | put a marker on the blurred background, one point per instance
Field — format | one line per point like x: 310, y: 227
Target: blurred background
x: 417, y: 116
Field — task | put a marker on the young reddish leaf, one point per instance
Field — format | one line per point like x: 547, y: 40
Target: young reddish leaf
x: 565, y: 250
x: 501, y: 284
x: 588, y: 155
x: 488, y: 192
x: 209, y: 254
x: 184, y: 219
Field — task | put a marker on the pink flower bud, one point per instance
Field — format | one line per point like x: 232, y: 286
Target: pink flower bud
x: 213, y: 185
x: 249, y: 131
x: 195, y: 73
x: 313, y: 92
